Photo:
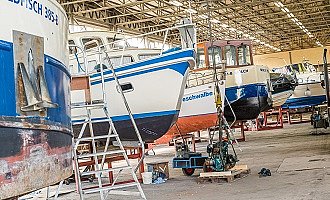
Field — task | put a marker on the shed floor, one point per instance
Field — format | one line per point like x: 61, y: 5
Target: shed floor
x: 298, y: 160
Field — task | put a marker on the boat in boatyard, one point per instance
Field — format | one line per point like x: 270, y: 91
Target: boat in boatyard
x: 153, y: 83
x: 283, y: 86
x: 309, y: 91
x: 246, y: 87
x: 35, y: 123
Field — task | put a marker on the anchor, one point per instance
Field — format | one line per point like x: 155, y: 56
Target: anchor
x: 35, y: 87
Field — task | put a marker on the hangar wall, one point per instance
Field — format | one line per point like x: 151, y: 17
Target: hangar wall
x: 314, y: 55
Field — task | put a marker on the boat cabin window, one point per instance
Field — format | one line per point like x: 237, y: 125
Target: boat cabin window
x: 120, y: 44
x: 72, y: 50
x: 300, y: 68
x: 309, y: 67
x: 230, y: 54
x: 115, y: 61
x: 244, y: 55
x: 145, y: 56
x: 295, y: 68
x: 216, y: 53
x: 289, y: 69
x: 92, y: 45
x: 200, y: 58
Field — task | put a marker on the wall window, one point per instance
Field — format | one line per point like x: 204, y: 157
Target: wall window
x: 119, y: 43
x: 72, y: 50
x: 115, y: 61
x: 145, y: 56
x: 92, y: 45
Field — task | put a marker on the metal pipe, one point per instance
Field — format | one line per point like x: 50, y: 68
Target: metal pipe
x: 129, y: 112
x: 326, y: 79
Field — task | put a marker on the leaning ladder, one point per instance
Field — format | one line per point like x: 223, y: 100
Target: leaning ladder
x: 98, y: 156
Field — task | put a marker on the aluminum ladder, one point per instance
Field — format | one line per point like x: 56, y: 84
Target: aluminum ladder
x: 83, y: 82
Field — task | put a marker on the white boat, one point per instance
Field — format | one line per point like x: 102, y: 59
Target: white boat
x: 35, y: 123
x: 153, y: 85
x: 309, y: 91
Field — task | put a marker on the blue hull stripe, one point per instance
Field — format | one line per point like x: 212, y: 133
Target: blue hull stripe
x: 161, y: 58
x: 181, y: 68
x: 136, y: 116
x: 7, y: 80
x: 58, y: 64
x: 246, y: 91
x: 5, y: 46
x: 304, y: 101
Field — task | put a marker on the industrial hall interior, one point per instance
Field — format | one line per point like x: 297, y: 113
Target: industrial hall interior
x: 164, y: 99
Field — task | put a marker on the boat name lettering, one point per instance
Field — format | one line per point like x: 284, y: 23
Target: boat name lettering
x: 38, y: 8
x: 197, y: 96
x: 263, y: 70
x: 243, y: 71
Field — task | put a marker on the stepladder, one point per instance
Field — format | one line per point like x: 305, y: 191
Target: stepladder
x: 92, y: 179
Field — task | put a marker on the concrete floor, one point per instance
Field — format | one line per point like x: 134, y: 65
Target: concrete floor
x: 299, y: 162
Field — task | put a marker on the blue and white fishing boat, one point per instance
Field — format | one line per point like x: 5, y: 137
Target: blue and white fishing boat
x: 153, y: 82
x: 309, y: 91
x: 35, y: 124
x: 247, y: 86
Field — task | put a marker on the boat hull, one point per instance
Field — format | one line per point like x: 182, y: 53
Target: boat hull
x: 247, y: 101
x: 247, y: 94
x: 300, y: 97
x: 198, y: 112
x: 151, y: 128
x: 33, y: 155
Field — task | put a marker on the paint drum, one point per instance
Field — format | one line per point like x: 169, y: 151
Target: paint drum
x: 147, y: 177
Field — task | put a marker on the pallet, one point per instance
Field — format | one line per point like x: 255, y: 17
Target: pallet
x: 239, y: 171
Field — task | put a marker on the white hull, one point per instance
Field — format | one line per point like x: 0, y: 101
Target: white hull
x: 315, y: 90
x: 198, y: 100
x: 280, y: 98
x: 157, y: 91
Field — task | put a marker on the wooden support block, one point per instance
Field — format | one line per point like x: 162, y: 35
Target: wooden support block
x: 213, y: 174
x: 236, y: 172
x: 79, y: 82
x: 239, y: 167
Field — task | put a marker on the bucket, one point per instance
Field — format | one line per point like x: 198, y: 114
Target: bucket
x: 147, y: 177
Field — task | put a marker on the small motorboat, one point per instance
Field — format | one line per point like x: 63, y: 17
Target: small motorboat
x: 309, y: 90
